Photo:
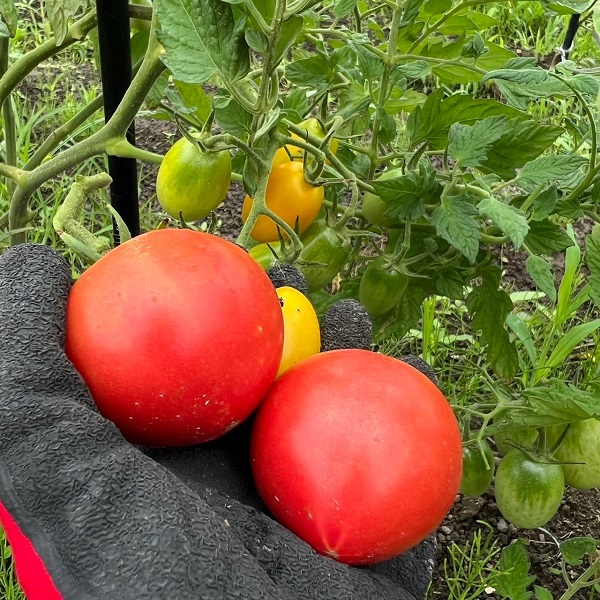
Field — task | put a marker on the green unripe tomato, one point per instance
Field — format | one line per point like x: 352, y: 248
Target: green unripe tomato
x: 477, y: 477
x: 581, y: 444
x: 191, y: 181
x: 373, y: 207
x: 381, y: 287
x: 528, y: 493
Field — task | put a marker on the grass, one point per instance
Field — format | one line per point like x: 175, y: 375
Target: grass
x: 9, y: 588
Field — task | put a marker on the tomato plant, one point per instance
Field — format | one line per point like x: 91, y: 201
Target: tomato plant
x: 192, y: 182
x: 581, y: 444
x: 301, y: 334
x: 289, y: 196
x: 528, y: 493
x: 478, y: 469
x: 340, y: 448
x: 174, y: 352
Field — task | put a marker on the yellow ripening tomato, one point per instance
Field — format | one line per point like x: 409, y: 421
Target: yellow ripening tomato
x: 301, y: 333
x: 289, y: 152
x: 290, y: 197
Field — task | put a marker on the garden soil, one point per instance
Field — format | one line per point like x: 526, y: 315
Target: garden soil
x: 579, y: 514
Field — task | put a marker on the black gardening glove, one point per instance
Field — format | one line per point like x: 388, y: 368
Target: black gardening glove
x: 90, y: 517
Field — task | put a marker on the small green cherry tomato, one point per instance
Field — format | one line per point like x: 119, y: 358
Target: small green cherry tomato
x: 374, y: 208
x: 528, y: 493
x: 324, y: 254
x: 381, y: 287
x: 477, y: 476
x: 192, y: 182
x: 581, y: 444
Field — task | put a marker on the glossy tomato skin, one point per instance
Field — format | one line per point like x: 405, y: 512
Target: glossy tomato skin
x: 324, y: 254
x: 301, y: 333
x: 163, y: 331
x: 477, y: 472
x: 581, y: 444
x: 290, y: 197
x: 381, y: 287
x: 192, y: 182
x: 374, y: 208
x: 528, y: 493
x: 357, y: 453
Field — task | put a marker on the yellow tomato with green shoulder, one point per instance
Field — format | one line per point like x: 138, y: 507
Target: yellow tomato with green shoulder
x: 313, y: 127
x: 191, y: 183
x: 301, y: 332
x: 290, y: 197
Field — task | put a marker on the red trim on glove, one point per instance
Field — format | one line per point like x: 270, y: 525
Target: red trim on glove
x: 31, y: 572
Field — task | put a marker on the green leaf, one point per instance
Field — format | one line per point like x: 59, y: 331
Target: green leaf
x: 406, y: 195
x: 541, y: 272
x: 59, y: 13
x: 411, y: 12
x: 450, y: 283
x: 202, y: 40
x: 569, y: 341
x: 124, y: 233
x: 474, y: 48
x: 520, y: 329
x: 8, y: 14
x: 288, y: 35
x: 542, y: 593
x: 551, y: 168
x: 344, y: 7
x: 309, y: 72
x: 296, y: 101
x: 543, y: 205
x: 431, y: 122
x: 592, y: 259
x: 469, y: 144
x: 574, y: 550
x: 510, y: 219
x: 415, y: 69
x: 521, y: 142
x: 454, y: 222
x: 232, y: 117
x: 436, y: 7
x: 520, y: 76
x: 546, y: 237
x: 257, y: 40
x: 489, y: 306
x: 195, y: 98
x: 553, y: 403
x: 495, y: 57
x: 512, y: 579
x: 467, y: 20
x: 568, y: 7
x: 371, y: 65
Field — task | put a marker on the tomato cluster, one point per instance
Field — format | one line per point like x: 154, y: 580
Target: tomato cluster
x: 161, y: 329
x: 533, y: 469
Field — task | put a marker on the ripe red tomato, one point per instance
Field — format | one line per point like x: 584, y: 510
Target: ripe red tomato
x: 178, y: 334
x: 357, y: 453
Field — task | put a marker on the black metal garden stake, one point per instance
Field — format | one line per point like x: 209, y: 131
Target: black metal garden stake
x: 116, y: 72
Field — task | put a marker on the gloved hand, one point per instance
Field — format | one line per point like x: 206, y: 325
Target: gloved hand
x: 91, y: 517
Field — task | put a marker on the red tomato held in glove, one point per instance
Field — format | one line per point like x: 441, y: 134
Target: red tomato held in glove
x: 178, y: 334
x: 357, y: 453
